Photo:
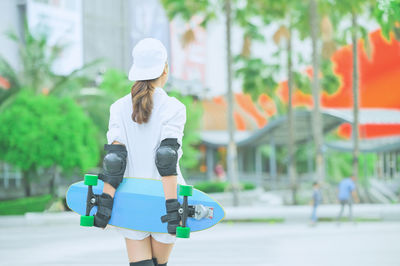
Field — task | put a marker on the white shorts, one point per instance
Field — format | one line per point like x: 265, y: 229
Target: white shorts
x: 140, y: 235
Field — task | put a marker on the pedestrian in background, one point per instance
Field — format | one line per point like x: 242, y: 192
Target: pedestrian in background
x: 316, y: 200
x: 347, y: 195
x: 220, y: 172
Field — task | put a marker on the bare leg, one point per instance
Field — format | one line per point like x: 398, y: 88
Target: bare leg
x: 161, y: 251
x: 341, y: 210
x: 138, y: 250
x: 350, y: 211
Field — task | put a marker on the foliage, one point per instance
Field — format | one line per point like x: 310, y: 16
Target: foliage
x: 217, y: 186
x: 329, y: 82
x: 191, y: 137
x: 43, y: 131
x: 8, y: 74
x: 186, y: 9
x: 37, y: 58
x: 302, y: 157
x: 257, y: 76
x: 303, y: 82
x: 115, y: 83
x: 292, y: 16
x: 37, y: 74
x: 339, y: 166
x: 24, y: 205
x: 345, y: 9
x: 387, y: 14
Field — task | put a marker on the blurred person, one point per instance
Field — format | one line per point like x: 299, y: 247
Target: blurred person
x: 347, y: 195
x: 220, y: 172
x: 316, y: 201
x: 145, y: 140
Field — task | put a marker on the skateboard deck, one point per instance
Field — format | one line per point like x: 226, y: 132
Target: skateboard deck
x: 139, y: 204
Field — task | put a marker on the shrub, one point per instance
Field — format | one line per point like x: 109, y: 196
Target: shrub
x: 24, y: 205
x: 218, y: 186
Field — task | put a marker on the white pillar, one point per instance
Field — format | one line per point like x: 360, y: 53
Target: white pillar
x: 240, y: 160
x: 6, y: 175
x: 258, y: 166
x: 210, y: 162
x: 272, y: 163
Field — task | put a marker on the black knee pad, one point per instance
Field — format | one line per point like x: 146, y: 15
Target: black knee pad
x: 157, y: 264
x: 167, y: 157
x: 114, y: 164
x: 104, y: 203
x: 142, y: 263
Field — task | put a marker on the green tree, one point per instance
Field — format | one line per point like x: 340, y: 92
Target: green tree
x: 37, y: 61
x: 352, y: 10
x: 186, y: 9
x: 340, y: 165
x: 46, y: 131
x: 318, y: 29
x: 289, y: 15
x: 191, y: 134
x: 317, y: 121
x: 387, y: 14
x: 115, y: 83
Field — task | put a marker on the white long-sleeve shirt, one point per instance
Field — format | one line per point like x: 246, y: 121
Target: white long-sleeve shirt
x: 167, y: 120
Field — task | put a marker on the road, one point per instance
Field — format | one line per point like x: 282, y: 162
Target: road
x: 66, y: 243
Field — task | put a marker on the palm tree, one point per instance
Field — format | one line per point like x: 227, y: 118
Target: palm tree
x: 232, y: 149
x: 356, y: 104
x: 291, y: 144
x: 317, y: 121
x: 354, y: 8
x: 186, y: 10
x: 37, y: 75
x: 287, y: 14
x: 37, y: 60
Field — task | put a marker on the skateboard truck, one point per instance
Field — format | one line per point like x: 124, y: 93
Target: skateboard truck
x: 184, y: 231
x: 91, y: 200
x: 197, y: 212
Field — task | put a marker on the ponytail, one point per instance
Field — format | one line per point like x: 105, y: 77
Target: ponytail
x: 142, y: 100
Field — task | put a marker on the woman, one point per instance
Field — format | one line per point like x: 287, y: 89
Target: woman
x: 145, y: 139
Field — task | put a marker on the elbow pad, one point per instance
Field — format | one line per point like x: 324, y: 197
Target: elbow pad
x: 167, y: 157
x: 114, y: 164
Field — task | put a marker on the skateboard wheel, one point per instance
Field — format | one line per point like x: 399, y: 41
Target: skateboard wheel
x: 91, y: 180
x: 185, y: 190
x: 87, y: 220
x: 182, y: 232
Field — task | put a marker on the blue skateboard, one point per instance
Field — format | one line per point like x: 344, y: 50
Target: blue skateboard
x: 139, y: 204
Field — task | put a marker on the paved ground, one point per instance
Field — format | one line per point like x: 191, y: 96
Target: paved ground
x: 36, y: 242
x: 301, y: 213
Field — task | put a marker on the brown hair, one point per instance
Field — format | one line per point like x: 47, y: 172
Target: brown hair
x: 142, y: 100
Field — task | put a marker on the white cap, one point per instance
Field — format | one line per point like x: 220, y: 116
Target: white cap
x: 149, y: 58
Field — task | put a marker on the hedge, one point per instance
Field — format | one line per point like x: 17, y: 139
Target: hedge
x: 217, y: 186
x: 24, y: 205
